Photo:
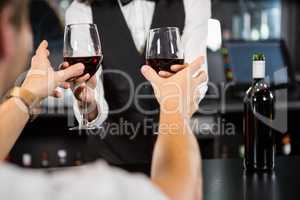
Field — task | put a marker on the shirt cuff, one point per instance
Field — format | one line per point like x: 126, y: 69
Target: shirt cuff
x: 101, y: 117
x: 202, y: 89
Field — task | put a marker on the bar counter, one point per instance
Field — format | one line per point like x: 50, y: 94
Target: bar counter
x: 226, y: 180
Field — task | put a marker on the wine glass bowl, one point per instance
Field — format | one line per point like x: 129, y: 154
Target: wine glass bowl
x: 82, y: 45
x: 164, y: 48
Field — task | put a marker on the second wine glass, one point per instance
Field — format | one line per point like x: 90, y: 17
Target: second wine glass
x: 164, y: 49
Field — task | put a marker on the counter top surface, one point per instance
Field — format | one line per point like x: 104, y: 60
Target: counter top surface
x: 226, y: 180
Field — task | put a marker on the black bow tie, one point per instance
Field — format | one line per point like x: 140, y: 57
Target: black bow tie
x: 125, y: 2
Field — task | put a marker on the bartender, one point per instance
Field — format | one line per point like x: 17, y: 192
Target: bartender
x: 123, y: 26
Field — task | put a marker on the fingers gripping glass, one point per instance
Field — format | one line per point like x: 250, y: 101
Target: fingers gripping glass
x: 82, y: 45
x: 164, y: 49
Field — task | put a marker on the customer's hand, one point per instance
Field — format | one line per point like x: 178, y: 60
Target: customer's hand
x: 178, y: 92
x: 174, y: 69
x: 42, y: 80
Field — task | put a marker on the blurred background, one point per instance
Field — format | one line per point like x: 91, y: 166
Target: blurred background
x: 238, y: 28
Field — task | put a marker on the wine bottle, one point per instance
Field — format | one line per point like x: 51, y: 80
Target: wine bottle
x: 44, y: 160
x: 62, y: 157
x: 259, y: 137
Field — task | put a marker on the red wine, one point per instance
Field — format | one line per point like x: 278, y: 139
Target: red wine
x: 91, y: 63
x: 163, y: 64
x: 259, y: 137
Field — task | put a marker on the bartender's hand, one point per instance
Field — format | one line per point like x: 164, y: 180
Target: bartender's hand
x: 84, y: 91
x: 83, y: 87
x: 178, y: 92
x: 42, y: 80
x: 174, y: 69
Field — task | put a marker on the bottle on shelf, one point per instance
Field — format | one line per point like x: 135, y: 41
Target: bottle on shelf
x: 44, y: 160
x: 259, y: 138
x: 286, y: 145
x: 26, y: 160
x: 78, y: 159
x: 62, y: 157
x: 227, y: 67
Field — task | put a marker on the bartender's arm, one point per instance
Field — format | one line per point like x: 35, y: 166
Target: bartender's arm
x: 176, y: 164
x: 41, y: 81
x: 90, y: 92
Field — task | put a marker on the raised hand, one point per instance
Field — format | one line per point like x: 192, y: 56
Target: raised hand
x: 42, y: 80
x: 178, y: 92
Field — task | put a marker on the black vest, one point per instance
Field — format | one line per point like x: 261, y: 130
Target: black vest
x: 122, y: 77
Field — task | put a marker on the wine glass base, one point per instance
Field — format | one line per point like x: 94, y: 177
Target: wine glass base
x: 78, y: 128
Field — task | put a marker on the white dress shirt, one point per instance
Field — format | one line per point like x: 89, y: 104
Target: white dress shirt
x: 92, y: 182
x: 138, y: 15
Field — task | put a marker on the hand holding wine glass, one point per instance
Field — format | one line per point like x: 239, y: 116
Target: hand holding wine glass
x: 164, y: 51
x: 84, y: 90
x: 179, y: 92
x: 82, y: 45
x: 42, y: 80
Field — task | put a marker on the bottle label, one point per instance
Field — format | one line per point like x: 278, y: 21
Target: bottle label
x: 258, y: 69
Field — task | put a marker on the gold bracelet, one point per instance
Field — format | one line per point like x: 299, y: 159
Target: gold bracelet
x: 27, y: 97
x: 20, y: 103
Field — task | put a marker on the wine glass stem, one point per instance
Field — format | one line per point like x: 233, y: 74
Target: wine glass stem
x: 85, y: 110
x: 84, y: 120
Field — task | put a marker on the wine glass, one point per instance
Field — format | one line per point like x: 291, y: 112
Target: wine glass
x: 82, y: 45
x: 164, y: 49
